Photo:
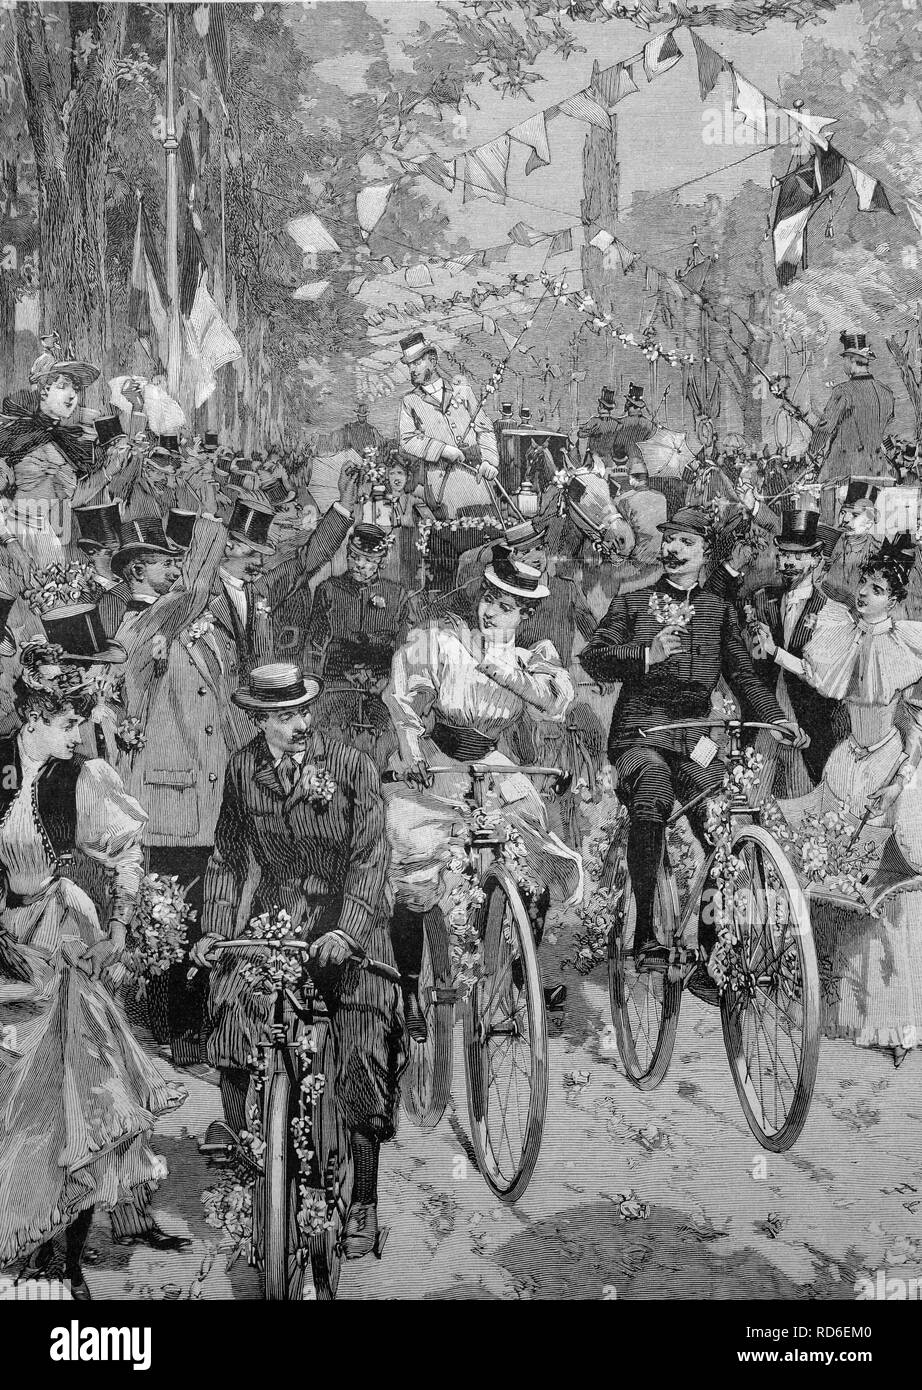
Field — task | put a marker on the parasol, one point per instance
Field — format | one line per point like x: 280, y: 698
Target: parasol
x: 666, y: 453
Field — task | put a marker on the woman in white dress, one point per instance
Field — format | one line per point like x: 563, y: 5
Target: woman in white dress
x: 455, y: 691
x: 78, y: 1095
x: 874, y: 663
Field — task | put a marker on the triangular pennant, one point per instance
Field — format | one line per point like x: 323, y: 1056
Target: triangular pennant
x: 533, y: 133
x: 488, y: 325
x: 310, y: 234
x: 816, y: 128
x: 914, y: 208
x: 418, y: 276
x: 523, y: 235
x: 627, y: 257
x: 710, y: 65
x: 614, y: 84
x: 750, y: 102
x: 872, y: 196
x: 585, y: 106
x: 660, y: 54
x: 311, y: 291
x: 562, y: 242
x: 485, y: 171
x: 370, y: 205
x: 440, y: 171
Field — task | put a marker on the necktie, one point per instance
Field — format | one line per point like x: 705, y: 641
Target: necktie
x: 287, y: 771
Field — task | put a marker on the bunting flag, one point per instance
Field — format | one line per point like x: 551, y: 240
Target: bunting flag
x: 914, y: 208
x: 208, y: 344
x: 418, y: 277
x: 487, y: 324
x: 872, y: 196
x: 561, y: 242
x: 602, y: 240
x: 438, y: 170
x: 660, y: 54
x: 616, y: 83
x: 750, y: 102
x: 627, y: 257
x: 146, y: 302
x: 311, y: 291
x: 799, y: 194
x: 710, y: 65
x: 585, y: 106
x: 310, y: 234
x: 510, y: 339
x: 815, y: 128
x: 485, y: 171
x: 533, y: 133
x: 370, y: 206
x: 523, y: 235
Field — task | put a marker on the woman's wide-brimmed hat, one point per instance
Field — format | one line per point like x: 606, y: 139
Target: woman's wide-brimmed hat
x: 279, y: 686
x: 79, y: 631
x: 511, y: 576
x: 82, y: 373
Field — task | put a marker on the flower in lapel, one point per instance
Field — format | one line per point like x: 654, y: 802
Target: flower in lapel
x: 377, y: 601
x: 809, y: 621
x: 262, y: 608
x: 201, y: 627
x: 320, y: 789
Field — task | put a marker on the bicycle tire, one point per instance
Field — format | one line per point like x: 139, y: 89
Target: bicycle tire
x: 503, y: 904
x: 426, y: 1081
x: 656, y: 997
x: 791, y: 971
x: 283, y: 1269
x: 334, y: 1164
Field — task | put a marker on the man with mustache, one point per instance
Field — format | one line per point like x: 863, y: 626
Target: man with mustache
x: 669, y: 672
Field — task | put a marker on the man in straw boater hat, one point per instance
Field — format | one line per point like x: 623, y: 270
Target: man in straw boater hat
x: 307, y: 809
x: 669, y: 662
x: 444, y: 425
x: 786, y: 614
x: 846, y: 439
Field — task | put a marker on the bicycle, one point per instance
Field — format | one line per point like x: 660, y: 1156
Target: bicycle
x: 505, y: 1023
x: 300, y: 1055
x: 770, y: 1002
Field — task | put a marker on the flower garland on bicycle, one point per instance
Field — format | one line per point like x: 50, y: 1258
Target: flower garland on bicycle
x: 669, y: 645
x: 456, y: 689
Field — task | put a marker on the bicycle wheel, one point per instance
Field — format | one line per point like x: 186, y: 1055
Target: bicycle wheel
x: 645, y: 1008
x: 426, y: 1082
x: 505, y: 1042
x: 770, y: 1006
x: 283, y: 1269
x: 331, y: 1145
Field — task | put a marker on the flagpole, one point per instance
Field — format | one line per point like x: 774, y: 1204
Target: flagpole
x: 170, y: 146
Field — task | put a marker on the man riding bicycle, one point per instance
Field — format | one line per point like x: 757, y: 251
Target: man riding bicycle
x: 669, y: 645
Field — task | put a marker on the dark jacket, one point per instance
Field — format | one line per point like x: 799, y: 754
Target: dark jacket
x: 825, y: 720
x: 354, y: 625
x: 681, y: 687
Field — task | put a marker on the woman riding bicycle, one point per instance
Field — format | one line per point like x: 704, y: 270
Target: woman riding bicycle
x: 456, y: 690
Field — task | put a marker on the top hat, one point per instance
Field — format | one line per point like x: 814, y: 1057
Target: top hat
x: 798, y: 531
x: 278, y: 492
x: 6, y: 606
x: 691, y: 519
x: 78, y: 630
x: 279, y: 686
x: 511, y: 576
x: 99, y: 525
x: 828, y: 538
x: 505, y: 409
x: 608, y: 398
x: 860, y: 490
x: 414, y: 346
x: 210, y: 442
x: 635, y: 393
x: 81, y: 372
x: 169, y: 442
x: 145, y: 535
x: 525, y: 414
x: 855, y: 345
x: 108, y: 427
x: 370, y: 540
x: 179, y: 527
x: 250, y: 524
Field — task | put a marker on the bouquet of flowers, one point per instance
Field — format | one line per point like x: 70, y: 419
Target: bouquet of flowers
x: 60, y: 586
x: 272, y: 969
x: 671, y: 612
x: 130, y: 736
x: 321, y: 789
x: 158, y: 935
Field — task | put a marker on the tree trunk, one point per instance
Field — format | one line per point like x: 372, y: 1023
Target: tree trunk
x: 71, y: 111
x: 599, y: 209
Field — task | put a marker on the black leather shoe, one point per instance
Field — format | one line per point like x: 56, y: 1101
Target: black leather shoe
x: 417, y: 1027
x: 555, y: 997
x: 702, y: 986
x: 156, y: 1239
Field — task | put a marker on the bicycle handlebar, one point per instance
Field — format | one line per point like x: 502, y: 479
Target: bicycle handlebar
x: 715, y: 724
x: 366, y: 963
x: 480, y: 770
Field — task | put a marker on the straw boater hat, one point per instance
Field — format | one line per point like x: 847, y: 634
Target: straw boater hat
x: 368, y: 539
x: 511, y: 576
x: 279, y: 686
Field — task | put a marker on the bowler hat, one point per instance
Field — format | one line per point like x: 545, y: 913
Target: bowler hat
x: 108, y: 427
x: 179, y: 527
x: 691, y: 519
x: 249, y: 524
x: 511, y: 576
x: 279, y: 686
x: 100, y: 525
x: 78, y: 629
x: 799, y: 531
x: 370, y: 540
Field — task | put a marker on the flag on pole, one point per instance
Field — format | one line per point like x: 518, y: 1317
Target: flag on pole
x: 147, y: 313
x: 208, y: 344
